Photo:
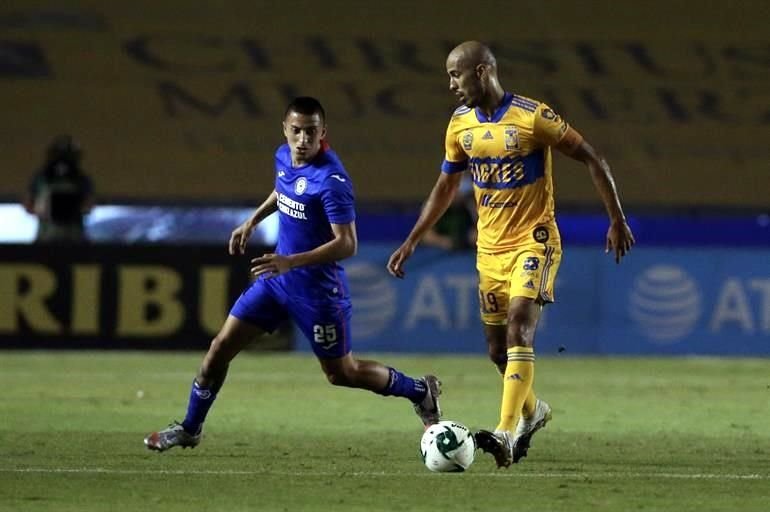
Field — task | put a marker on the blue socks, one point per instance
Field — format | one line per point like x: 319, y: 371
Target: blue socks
x: 201, y: 400
x: 403, y: 385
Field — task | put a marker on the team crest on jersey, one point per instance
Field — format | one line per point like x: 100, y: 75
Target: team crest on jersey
x: 550, y: 115
x: 300, y: 186
x: 468, y: 141
x: 511, y: 138
x: 540, y: 234
x: 531, y: 263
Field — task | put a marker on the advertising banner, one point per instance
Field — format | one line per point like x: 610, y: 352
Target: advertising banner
x: 687, y: 301
x: 135, y: 297
x: 656, y: 302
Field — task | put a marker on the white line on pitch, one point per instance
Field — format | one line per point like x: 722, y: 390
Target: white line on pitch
x: 581, y: 475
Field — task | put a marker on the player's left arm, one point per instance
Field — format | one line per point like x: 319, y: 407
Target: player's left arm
x: 619, y: 236
x: 339, y: 206
x: 344, y: 244
x: 550, y: 129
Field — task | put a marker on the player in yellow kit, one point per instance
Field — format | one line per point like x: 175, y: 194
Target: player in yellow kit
x: 504, y: 140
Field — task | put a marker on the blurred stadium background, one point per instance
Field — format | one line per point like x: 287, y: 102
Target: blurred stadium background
x: 177, y: 106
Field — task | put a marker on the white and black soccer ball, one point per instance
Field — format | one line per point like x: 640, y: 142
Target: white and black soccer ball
x: 447, y: 447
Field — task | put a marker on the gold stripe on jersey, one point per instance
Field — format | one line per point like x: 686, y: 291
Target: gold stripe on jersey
x: 509, y: 158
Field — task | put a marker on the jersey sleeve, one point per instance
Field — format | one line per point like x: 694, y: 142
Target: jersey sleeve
x: 280, y: 157
x: 455, y: 159
x: 338, y: 199
x: 548, y: 126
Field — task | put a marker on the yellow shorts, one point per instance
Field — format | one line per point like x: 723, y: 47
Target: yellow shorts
x: 528, y: 271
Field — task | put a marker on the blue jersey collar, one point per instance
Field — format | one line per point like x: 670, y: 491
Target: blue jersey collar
x: 499, y: 113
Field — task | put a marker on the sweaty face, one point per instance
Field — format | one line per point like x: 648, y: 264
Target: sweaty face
x: 464, y: 81
x: 303, y: 134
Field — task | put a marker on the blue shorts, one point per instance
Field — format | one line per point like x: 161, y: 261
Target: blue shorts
x: 326, y: 325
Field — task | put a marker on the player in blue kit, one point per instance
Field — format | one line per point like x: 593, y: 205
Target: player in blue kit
x: 302, y: 280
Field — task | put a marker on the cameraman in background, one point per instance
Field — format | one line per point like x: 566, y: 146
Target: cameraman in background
x: 60, y: 194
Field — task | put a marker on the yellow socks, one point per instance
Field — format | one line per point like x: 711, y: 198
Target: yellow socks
x: 528, y: 409
x: 517, y: 386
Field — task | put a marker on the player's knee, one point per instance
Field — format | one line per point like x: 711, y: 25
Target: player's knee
x: 521, y: 328
x: 520, y: 334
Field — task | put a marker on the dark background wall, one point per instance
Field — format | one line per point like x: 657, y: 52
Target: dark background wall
x: 183, y: 100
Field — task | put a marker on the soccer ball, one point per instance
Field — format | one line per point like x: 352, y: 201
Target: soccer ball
x: 447, y: 446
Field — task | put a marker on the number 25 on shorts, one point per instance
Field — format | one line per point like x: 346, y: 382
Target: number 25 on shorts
x: 324, y: 334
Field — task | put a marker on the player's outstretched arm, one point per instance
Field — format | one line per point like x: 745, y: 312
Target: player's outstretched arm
x: 438, y: 201
x: 619, y: 236
x: 240, y: 235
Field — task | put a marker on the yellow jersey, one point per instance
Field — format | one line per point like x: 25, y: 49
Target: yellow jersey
x: 509, y: 158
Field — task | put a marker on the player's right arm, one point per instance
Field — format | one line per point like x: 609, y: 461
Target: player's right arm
x: 455, y: 162
x: 241, y: 234
x: 438, y: 201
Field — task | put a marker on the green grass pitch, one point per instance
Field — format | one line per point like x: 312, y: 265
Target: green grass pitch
x: 627, y: 434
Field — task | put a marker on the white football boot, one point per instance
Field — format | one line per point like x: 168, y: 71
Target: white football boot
x: 527, y: 427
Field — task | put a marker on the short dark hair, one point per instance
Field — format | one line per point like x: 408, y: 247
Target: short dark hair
x: 306, y: 105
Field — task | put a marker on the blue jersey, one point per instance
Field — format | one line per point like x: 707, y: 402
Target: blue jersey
x: 311, y: 198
